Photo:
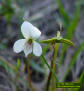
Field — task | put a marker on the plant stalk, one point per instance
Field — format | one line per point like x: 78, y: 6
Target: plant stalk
x: 28, y: 71
x: 49, y: 79
x: 53, y: 62
x: 53, y: 87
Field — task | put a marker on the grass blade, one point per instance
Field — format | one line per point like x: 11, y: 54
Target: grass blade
x: 73, y: 61
x: 70, y: 31
x: 36, y: 66
x: 63, y: 12
x: 44, y: 60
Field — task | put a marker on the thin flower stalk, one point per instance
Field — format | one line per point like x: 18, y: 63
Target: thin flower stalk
x: 53, y: 66
x: 28, y: 71
x: 53, y: 88
x: 53, y: 63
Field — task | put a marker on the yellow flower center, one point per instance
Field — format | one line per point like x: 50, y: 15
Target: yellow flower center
x: 30, y: 41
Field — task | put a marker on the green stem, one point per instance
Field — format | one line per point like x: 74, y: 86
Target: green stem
x: 53, y: 66
x: 44, y: 60
x: 49, y: 78
x: 51, y: 72
x: 55, y: 55
x: 48, y: 82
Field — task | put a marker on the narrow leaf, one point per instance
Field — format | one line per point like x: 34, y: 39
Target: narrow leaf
x: 44, y: 60
x: 36, y: 66
x: 63, y: 12
x: 73, y: 61
x: 56, y: 40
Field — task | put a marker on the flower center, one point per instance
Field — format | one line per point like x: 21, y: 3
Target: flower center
x: 30, y: 41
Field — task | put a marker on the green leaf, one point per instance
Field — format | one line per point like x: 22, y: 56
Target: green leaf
x: 57, y: 40
x: 70, y: 31
x: 17, y: 66
x: 10, y: 68
x: 46, y: 48
x: 73, y: 61
x: 3, y: 46
x: 81, y: 81
x: 18, y: 63
x: 36, y: 66
x: 63, y: 13
x: 71, y: 28
x: 5, y: 64
x: 2, y: 63
x: 44, y: 60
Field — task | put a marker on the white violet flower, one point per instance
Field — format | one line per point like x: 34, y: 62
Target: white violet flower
x: 29, y: 44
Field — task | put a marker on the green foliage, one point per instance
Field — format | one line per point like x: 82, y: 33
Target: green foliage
x: 3, y: 46
x: 18, y: 63
x: 36, y: 66
x: 73, y: 61
x: 56, y: 40
x: 71, y: 28
x: 70, y: 31
x: 5, y: 64
x: 11, y: 68
x: 45, y: 49
x: 2, y: 63
x: 17, y: 66
x: 45, y: 61
x: 6, y: 9
x: 63, y: 13
x: 81, y: 81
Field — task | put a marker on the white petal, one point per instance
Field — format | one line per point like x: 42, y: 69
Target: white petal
x: 35, y: 33
x: 27, y: 49
x: 19, y: 45
x: 28, y: 30
x: 37, y: 50
x: 25, y: 29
